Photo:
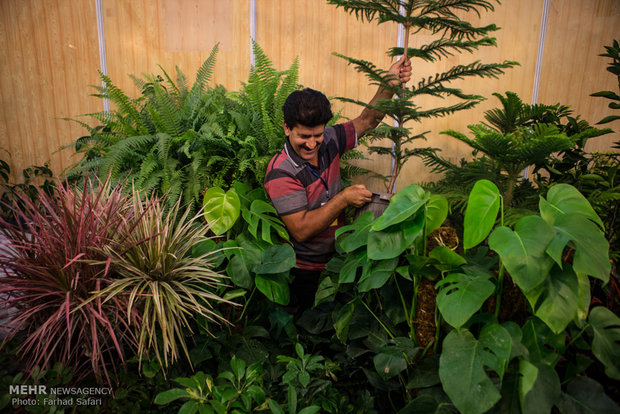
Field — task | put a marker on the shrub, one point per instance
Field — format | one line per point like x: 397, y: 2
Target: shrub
x: 158, y: 277
x: 52, y: 261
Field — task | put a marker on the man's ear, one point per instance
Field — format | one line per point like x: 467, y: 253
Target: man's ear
x: 287, y: 130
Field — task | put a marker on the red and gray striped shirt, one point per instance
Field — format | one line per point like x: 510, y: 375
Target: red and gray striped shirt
x: 294, y: 185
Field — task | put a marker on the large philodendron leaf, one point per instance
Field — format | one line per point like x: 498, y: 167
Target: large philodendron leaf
x: 462, y: 295
x: 278, y: 258
x: 591, y: 248
x: 377, y: 274
x: 262, y: 214
x: 436, y: 212
x: 482, y: 208
x: 539, y: 387
x: 586, y: 396
x: 274, y: 286
x: 606, y: 342
x: 353, y: 261
x: 359, y: 233
x: 523, y: 251
x: 462, y: 367
x: 566, y: 199
x: 403, y: 205
x: 392, y: 241
x: 221, y: 209
x: 555, y: 301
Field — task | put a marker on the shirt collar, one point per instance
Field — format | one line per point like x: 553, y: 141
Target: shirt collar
x: 297, y: 160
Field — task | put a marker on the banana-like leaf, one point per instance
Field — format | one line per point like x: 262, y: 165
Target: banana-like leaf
x: 481, y: 212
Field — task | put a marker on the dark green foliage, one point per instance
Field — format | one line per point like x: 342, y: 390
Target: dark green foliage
x: 451, y: 35
x: 179, y: 140
x: 513, y: 137
x: 613, y: 52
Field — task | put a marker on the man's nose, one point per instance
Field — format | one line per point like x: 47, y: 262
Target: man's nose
x: 311, y: 143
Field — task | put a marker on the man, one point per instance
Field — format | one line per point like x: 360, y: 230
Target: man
x: 303, y: 180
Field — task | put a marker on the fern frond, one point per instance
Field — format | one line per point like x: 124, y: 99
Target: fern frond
x: 203, y: 76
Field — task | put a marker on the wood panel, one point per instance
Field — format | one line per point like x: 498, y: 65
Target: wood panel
x: 142, y: 34
x: 50, y: 57
x: 578, y: 32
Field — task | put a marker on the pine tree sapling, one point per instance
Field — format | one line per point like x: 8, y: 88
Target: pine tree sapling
x: 452, y: 34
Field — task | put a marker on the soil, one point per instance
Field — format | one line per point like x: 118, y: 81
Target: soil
x: 442, y: 236
x: 425, y: 313
x: 425, y: 327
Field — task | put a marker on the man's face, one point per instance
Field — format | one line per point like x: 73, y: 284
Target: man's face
x: 306, y: 141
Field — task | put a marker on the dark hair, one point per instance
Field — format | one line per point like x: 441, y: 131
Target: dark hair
x: 306, y: 107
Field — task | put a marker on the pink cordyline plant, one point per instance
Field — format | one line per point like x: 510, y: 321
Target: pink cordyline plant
x: 50, y: 263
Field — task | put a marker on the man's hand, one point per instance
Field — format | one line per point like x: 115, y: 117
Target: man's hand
x: 305, y: 224
x: 357, y: 195
x: 401, y: 71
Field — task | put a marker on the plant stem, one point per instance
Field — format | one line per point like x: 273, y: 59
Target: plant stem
x: 402, y: 300
x: 500, y: 288
x: 378, y: 320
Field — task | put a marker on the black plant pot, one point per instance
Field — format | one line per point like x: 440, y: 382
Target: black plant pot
x: 377, y: 205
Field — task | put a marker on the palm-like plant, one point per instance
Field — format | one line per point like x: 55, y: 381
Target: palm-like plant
x: 512, y: 138
x: 452, y: 34
x: 160, y: 279
x: 49, y: 266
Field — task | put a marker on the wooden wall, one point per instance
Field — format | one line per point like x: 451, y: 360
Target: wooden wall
x: 51, y: 55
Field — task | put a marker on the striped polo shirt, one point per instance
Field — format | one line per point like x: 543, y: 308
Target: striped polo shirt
x: 294, y: 185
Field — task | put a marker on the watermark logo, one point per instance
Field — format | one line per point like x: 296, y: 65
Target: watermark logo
x: 37, y: 395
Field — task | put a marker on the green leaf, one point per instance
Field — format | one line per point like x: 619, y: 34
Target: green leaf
x: 461, y: 369
x: 481, y: 212
x: 591, y: 248
x: 539, y: 387
x: 586, y: 396
x: 606, y: 341
x: 342, y: 318
x: 555, y: 300
x: 351, y: 264
x: 239, y: 273
x: 166, y: 397
x: 402, y: 206
x: 566, y: 199
x: 263, y: 215
x: 542, y: 344
x: 221, y: 209
x: 278, y: 258
x: 311, y: 409
x: 392, y: 241
x: 436, y: 212
x: 462, y: 295
x: 496, y: 343
x: 275, y: 407
x: 523, y: 251
x: 190, y: 407
x: 377, y: 274
x: 359, y: 235
x: 447, y: 256
x: 275, y: 287
x: 389, y: 365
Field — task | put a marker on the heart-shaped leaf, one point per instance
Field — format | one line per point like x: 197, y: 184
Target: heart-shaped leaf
x: 481, y: 212
x: 221, y: 209
x: 523, y: 251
